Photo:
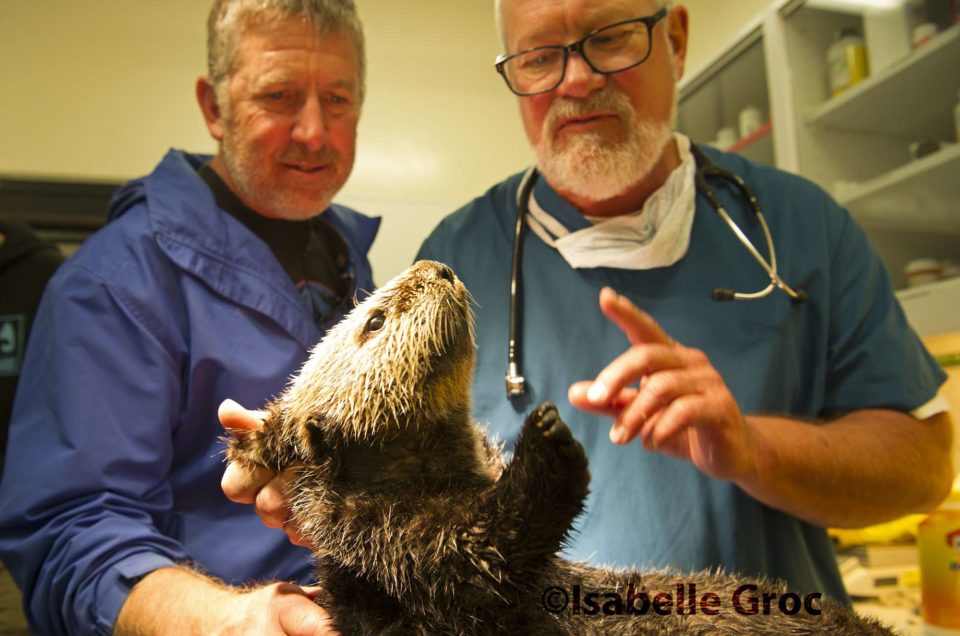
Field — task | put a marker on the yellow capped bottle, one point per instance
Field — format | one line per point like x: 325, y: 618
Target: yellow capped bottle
x: 847, y: 60
x: 939, y: 544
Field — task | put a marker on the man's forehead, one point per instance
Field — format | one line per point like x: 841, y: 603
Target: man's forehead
x: 539, y: 21
x: 280, y: 49
x: 279, y: 76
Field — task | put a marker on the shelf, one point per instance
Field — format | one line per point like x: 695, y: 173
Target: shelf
x: 712, y: 99
x: 757, y: 146
x: 921, y: 195
x: 756, y: 137
x: 860, y: 138
x: 886, y: 103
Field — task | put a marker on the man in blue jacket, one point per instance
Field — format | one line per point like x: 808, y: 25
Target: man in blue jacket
x: 212, y: 279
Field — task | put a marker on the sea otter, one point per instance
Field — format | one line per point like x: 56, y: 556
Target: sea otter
x: 419, y: 525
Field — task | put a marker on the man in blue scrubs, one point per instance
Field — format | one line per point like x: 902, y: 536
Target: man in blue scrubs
x: 756, y: 423
x: 741, y: 429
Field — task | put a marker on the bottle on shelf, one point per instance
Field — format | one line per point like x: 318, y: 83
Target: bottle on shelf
x: 847, y: 60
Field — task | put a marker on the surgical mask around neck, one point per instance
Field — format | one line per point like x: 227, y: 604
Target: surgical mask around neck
x: 658, y: 235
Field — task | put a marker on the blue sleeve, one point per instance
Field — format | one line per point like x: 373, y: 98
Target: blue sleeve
x: 85, y: 500
x: 876, y: 359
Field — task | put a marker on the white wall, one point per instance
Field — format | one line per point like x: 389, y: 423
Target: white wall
x: 439, y: 126
x: 99, y: 89
x: 714, y: 24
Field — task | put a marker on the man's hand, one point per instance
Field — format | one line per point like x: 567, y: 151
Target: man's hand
x: 178, y: 600
x: 860, y: 468
x: 282, y: 608
x: 682, y: 407
x: 259, y: 486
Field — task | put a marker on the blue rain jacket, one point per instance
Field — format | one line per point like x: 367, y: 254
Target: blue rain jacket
x: 848, y: 347
x: 115, y: 454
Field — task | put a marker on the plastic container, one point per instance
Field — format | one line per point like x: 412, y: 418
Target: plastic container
x: 923, y: 34
x: 750, y: 120
x: 923, y: 271
x: 726, y: 137
x: 847, y: 60
x: 939, y: 544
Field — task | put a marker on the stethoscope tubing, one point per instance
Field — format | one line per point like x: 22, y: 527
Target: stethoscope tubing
x: 516, y: 383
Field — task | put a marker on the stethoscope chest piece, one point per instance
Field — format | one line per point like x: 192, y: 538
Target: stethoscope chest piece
x: 707, y: 168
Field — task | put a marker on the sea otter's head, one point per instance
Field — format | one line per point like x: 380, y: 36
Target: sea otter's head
x: 403, y: 357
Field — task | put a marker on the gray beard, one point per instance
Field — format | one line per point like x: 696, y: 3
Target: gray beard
x: 592, y: 168
x: 595, y: 169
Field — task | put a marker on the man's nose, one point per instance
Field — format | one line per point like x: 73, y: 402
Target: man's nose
x: 310, y: 126
x: 580, y: 80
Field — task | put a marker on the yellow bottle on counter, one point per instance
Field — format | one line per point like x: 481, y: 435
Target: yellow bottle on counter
x: 939, y: 544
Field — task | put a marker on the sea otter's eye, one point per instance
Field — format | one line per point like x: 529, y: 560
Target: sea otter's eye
x: 375, y: 323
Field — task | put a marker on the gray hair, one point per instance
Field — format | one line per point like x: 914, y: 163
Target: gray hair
x: 229, y: 18
x: 498, y: 14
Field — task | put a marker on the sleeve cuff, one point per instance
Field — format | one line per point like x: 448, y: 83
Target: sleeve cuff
x: 935, y: 406
x: 115, y: 585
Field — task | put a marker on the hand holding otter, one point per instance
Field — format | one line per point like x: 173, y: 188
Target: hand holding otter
x: 257, y: 485
x: 682, y: 407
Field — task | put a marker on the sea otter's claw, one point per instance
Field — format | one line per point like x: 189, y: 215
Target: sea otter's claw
x: 545, y: 429
x: 547, y: 419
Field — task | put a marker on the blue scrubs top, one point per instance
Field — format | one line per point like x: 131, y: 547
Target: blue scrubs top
x: 848, y: 347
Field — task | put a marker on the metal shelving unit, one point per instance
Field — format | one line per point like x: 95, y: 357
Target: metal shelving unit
x: 855, y: 145
x: 887, y: 103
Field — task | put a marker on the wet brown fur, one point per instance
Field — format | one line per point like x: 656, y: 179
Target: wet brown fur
x: 417, y: 523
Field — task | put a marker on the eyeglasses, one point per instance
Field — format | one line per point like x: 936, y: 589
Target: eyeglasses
x: 607, y: 50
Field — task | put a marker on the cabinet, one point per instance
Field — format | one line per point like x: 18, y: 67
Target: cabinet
x: 712, y: 101
x: 857, y: 144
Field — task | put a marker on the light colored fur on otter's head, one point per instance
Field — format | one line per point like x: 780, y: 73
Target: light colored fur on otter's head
x: 403, y: 356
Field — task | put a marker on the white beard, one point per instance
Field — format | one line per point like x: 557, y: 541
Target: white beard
x: 593, y: 167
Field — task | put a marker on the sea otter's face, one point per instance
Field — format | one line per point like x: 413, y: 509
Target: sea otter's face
x: 405, y: 352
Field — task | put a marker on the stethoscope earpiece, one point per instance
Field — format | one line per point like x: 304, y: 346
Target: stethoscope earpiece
x: 721, y: 294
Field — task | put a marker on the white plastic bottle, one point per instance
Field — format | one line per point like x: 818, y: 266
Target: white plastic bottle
x: 846, y: 60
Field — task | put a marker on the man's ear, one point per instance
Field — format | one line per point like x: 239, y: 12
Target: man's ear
x: 212, y: 115
x: 678, y: 28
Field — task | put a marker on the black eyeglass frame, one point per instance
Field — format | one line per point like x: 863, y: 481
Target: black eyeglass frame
x: 577, y: 47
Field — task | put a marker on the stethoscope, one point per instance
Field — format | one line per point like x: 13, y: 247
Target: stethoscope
x: 516, y: 384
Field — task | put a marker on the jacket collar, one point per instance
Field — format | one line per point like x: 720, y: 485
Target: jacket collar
x: 218, y: 249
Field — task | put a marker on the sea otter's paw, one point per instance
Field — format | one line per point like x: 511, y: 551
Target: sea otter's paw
x: 553, y: 473
x: 241, y: 448
x: 266, y: 446
x: 548, y: 439
x: 547, y: 420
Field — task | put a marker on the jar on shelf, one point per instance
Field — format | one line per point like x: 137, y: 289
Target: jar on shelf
x: 847, y: 60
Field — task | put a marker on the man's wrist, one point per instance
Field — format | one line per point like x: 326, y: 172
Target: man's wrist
x: 177, y: 599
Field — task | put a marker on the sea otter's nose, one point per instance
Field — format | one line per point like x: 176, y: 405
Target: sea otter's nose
x: 446, y: 272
